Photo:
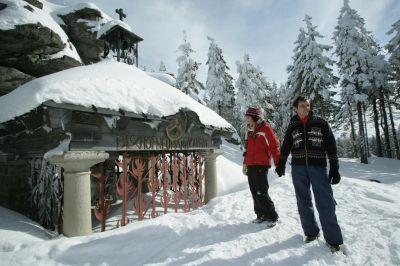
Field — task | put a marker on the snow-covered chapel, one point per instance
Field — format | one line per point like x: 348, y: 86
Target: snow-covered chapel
x: 87, y: 140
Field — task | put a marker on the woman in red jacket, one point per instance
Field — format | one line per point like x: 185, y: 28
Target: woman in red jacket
x: 261, y: 144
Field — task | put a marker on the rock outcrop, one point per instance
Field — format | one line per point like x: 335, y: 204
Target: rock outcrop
x: 39, y: 39
x: 36, y: 3
x: 11, y: 78
x: 80, y: 27
x: 32, y: 50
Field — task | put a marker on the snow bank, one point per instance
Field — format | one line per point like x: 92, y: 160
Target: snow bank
x: 108, y: 84
x: 221, y: 233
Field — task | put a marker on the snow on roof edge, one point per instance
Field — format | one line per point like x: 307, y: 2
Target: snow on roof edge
x: 126, y: 87
x: 110, y: 24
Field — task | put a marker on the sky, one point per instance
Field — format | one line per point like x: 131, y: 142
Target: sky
x: 265, y: 29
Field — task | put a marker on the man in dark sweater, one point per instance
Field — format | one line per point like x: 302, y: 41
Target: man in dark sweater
x: 310, y: 141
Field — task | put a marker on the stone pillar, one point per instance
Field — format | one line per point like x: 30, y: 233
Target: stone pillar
x: 210, y: 173
x: 77, y: 208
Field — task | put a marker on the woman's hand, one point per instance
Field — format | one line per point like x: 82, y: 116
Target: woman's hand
x: 244, y: 169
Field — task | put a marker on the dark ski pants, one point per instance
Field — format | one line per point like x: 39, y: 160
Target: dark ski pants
x: 316, y: 177
x: 258, y: 183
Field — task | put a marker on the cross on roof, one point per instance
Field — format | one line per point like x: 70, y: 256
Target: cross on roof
x: 121, y: 14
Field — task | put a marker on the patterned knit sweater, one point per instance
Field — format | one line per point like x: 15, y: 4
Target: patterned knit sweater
x: 310, y: 143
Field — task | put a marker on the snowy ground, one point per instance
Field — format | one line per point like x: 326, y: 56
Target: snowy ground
x: 221, y: 233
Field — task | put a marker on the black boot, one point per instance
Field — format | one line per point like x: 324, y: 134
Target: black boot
x: 311, y: 238
x: 334, y: 248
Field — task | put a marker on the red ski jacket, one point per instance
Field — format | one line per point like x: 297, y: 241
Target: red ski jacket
x: 261, y: 145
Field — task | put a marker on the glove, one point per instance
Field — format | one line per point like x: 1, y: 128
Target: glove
x: 334, y: 176
x: 244, y: 169
x: 280, y: 169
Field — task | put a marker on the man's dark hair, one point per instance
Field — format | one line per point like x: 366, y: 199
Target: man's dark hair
x: 299, y: 98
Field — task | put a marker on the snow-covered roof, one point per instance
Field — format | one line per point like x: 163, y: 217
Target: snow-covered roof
x: 110, y: 24
x: 167, y: 78
x: 110, y: 85
x: 15, y: 14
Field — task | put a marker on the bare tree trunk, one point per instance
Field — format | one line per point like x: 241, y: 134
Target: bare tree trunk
x: 361, y: 136
x: 353, y: 132
x: 353, y: 137
x: 366, y: 132
x: 219, y: 108
x: 396, y: 142
x: 385, y: 125
x: 377, y: 132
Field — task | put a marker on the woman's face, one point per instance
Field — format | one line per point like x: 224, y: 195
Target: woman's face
x: 249, y: 121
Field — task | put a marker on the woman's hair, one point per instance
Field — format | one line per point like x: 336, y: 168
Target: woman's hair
x: 255, y: 118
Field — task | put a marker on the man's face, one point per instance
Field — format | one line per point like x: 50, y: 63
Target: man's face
x: 303, y: 108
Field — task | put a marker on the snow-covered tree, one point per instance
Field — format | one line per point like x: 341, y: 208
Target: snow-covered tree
x: 252, y: 86
x: 393, y: 48
x: 395, y: 141
x: 379, y: 71
x: 220, y: 92
x: 187, y: 68
x: 311, y: 73
x: 354, y: 52
x: 393, y: 97
x: 265, y: 94
x: 282, y: 106
x: 162, y: 67
x: 253, y: 89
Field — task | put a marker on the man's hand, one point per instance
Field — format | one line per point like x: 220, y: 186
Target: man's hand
x: 280, y: 169
x: 334, y: 176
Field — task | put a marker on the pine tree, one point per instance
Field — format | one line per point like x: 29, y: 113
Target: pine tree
x: 352, y: 48
x: 265, y: 94
x: 394, y: 133
x: 280, y: 100
x: 162, y: 67
x: 311, y: 73
x: 393, y: 48
x: 187, y: 67
x: 251, y: 84
x: 379, y: 71
x: 253, y: 89
x: 220, y: 93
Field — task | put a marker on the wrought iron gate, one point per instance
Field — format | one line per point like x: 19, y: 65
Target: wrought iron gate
x: 152, y: 184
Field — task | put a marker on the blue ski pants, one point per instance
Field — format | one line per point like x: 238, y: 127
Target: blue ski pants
x: 316, y: 177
